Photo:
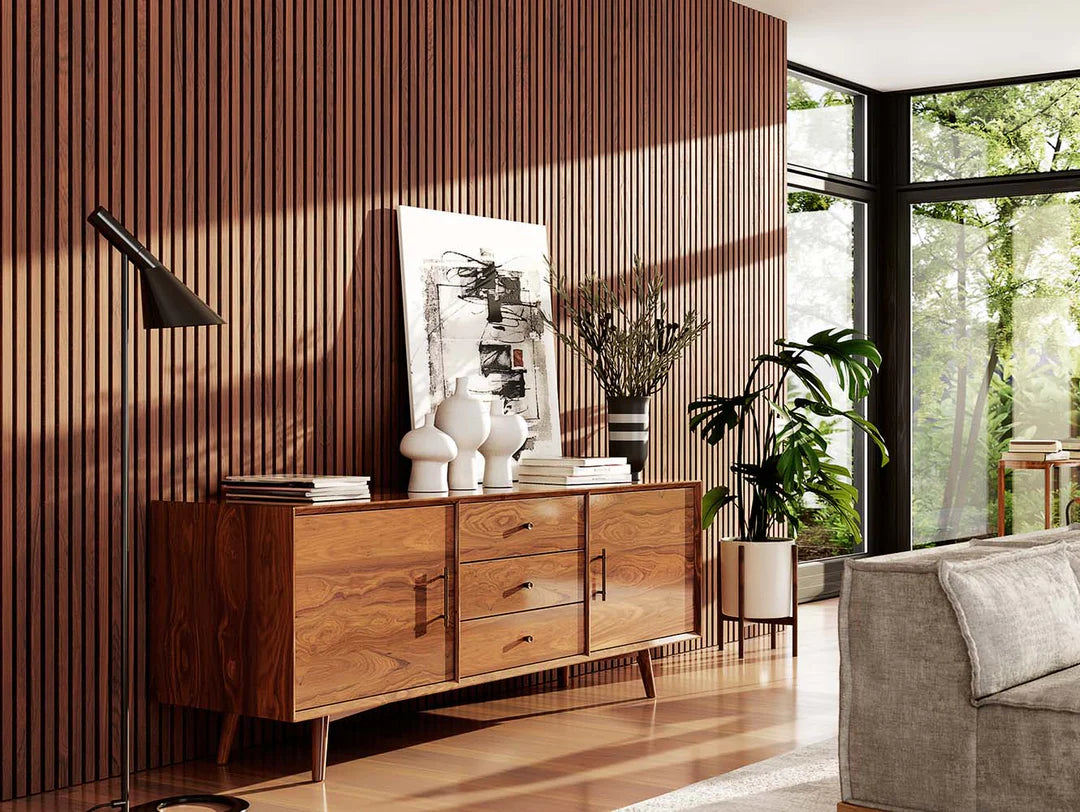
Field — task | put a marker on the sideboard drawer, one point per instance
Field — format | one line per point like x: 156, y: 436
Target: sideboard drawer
x: 520, y: 527
x: 523, y: 638
x: 516, y: 584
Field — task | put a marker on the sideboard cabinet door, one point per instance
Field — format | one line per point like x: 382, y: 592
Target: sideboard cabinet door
x: 645, y: 543
x: 372, y: 590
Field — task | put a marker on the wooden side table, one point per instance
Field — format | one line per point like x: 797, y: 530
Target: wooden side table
x: 1049, y: 469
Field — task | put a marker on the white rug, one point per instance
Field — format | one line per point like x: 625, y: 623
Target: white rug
x: 807, y: 779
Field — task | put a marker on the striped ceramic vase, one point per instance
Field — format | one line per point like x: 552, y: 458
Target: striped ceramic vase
x: 628, y: 431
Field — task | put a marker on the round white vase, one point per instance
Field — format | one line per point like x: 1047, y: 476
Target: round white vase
x: 466, y: 420
x: 767, y: 578
x: 508, y: 433
x: 430, y: 450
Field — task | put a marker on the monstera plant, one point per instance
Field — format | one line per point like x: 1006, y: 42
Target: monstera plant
x: 778, y: 423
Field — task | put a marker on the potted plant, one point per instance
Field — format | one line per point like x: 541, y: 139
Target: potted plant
x: 621, y: 331
x: 782, y: 460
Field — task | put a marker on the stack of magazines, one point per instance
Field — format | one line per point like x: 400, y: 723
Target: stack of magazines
x: 296, y: 488
x: 571, y: 471
x: 1035, y: 451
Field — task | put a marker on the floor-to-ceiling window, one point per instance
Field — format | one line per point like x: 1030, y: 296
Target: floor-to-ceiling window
x: 993, y: 210
x: 828, y: 199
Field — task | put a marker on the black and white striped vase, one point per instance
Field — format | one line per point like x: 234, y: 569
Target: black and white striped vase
x: 628, y: 431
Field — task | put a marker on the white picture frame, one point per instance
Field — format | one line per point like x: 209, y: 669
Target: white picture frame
x: 473, y: 289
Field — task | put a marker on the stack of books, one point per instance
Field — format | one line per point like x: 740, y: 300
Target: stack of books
x: 303, y: 488
x: 1072, y: 445
x: 574, y: 471
x: 1035, y: 451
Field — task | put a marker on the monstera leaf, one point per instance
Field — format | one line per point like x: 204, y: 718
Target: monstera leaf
x: 781, y: 448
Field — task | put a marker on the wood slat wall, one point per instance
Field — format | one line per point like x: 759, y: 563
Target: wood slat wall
x: 259, y: 149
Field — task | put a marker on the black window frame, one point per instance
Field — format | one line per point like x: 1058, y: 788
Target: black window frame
x: 859, y: 189
x: 889, y: 284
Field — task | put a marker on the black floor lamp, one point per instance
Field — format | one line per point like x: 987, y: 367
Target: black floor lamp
x: 166, y: 302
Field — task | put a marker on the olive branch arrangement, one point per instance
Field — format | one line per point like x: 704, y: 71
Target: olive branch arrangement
x: 621, y: 329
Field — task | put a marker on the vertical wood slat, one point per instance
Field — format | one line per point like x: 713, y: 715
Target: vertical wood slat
x: 260, y: 150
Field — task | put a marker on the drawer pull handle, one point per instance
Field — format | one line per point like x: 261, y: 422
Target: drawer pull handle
x: 527, y: 526
x: 527, y: 638
x: 527, y: 585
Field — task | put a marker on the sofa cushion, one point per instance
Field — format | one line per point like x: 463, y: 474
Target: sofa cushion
x: 1059, y: 691
x: 1036, y: 538
x: 1019, y: 614
x: 1029, y: 745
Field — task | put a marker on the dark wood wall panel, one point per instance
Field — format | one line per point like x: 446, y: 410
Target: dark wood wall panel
x: 259, y: 149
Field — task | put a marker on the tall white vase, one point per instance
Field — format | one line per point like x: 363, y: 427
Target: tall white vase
x: 430, y: 450
x: 508, y: 433
x: 466, y: 420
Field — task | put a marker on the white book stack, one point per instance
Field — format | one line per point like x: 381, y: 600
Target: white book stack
x: 574, y: 471
x: 303, y: 488
x: 1035, y: 451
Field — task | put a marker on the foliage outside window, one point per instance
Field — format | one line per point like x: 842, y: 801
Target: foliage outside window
x: 995, y: 311
x: 821, y: 294
x: 991, y: 131
x: 821, y: 127
x: 995, y: 354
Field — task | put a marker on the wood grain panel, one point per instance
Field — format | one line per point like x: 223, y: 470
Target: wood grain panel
x: 645, y: 587
x: 521, y: 527
x: 221, y: 616
x: 517, y: 584
x: 505, y: 641
x: 373, y: 603
x: 260, y: 149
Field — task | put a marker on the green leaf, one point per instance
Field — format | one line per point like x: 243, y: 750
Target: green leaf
x: 711, y: 504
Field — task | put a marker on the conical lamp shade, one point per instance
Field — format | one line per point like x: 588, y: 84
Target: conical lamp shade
x: 168, y: 302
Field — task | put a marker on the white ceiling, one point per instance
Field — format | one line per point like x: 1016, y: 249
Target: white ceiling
x: 903, y: 44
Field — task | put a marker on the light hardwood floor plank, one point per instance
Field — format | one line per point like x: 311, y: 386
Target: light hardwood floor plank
x: 596, y: 745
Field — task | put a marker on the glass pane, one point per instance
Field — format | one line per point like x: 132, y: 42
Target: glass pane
x: 821, y: 127
x: 1006, y: 130
x: 995, y: 348
x: 824, y: 235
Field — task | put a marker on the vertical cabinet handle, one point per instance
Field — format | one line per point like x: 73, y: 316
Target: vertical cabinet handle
x: 603, y: 573
x: 446, y: 595
x: 445, y: 577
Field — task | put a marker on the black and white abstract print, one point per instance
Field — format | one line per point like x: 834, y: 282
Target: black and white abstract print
x: 474, y: 291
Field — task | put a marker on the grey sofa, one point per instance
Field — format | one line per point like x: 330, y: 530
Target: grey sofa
x: 960, y: 676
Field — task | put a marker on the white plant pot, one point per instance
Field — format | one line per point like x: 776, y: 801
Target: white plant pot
x: 766, y: 578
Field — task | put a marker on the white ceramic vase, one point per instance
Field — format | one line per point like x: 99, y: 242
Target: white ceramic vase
x: 466, y: 420
x: 508, y: 433
x: 430, y: 450
x: 767, y: 577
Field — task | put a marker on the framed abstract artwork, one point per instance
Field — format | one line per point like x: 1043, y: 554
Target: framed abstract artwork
x: 474, y: 289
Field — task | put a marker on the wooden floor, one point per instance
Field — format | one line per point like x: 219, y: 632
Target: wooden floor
x: 598, y: 744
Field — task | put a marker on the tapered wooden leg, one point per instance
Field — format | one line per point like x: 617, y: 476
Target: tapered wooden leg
x: 229, y: 724
x: 720, y: 595
x: 644, y: 664
x: 742, y: 597
x: 320, y: 738
x: 772, y: 635
x: 564, y: 676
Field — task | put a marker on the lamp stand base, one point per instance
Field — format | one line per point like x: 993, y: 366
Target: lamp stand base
x: 227, y: 803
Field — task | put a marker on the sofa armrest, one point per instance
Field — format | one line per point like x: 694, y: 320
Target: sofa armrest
x: 907, y: 725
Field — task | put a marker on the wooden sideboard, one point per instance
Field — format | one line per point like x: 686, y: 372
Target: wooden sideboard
x: 309, y: 612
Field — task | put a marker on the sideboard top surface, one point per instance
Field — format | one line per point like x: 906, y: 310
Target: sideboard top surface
x: 385, y: 499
